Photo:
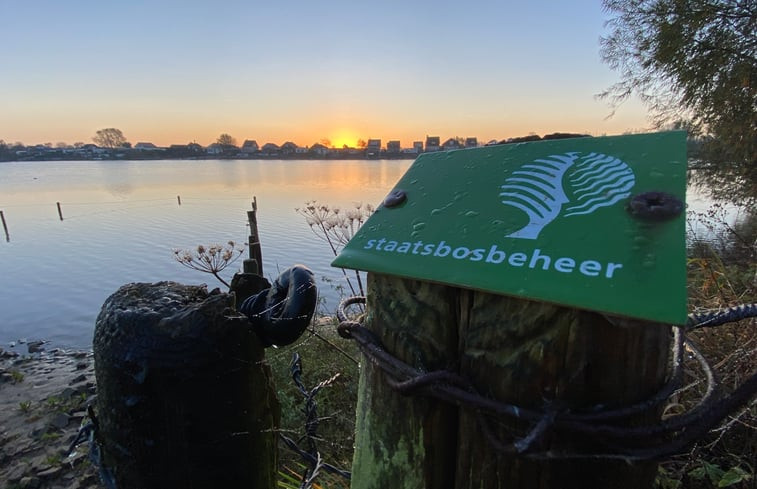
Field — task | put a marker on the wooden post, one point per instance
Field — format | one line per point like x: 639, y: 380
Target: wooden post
x: 178, y: 199
x: 400, y: 441
x: 512, y: 350
x: 530, y: 353
x: 255, y: 263
x: 60, y: 212
x: 5, y: 227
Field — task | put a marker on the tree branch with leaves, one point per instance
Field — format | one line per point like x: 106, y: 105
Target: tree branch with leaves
x: 693, y: 63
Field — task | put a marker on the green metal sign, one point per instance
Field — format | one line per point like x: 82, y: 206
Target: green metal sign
x: 591, y: 223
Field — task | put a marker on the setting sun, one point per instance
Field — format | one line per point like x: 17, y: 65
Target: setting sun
x: 341, y: 137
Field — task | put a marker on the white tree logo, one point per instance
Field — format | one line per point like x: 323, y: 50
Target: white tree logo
x: 573, y: 184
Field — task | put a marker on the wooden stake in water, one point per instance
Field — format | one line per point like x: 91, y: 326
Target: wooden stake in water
x: 60, y: 212
x: 255, y: 263
x: 5, y: 227
x: 178, y: 198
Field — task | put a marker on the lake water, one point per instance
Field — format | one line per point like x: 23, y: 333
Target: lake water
x: 122, y: 222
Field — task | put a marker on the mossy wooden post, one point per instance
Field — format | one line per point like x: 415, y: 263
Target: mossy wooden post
x: 531, y: 354
x: 513, y: 350
x: 406, y: 442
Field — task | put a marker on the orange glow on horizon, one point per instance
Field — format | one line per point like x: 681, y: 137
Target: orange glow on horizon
x: 344, y: 136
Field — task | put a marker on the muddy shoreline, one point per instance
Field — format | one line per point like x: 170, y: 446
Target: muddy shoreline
x: 43, y: 402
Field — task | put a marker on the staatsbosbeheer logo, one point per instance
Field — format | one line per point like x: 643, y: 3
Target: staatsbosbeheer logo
x: 565, y: 185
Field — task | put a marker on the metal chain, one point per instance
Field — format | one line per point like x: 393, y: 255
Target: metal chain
x: 646, y: 442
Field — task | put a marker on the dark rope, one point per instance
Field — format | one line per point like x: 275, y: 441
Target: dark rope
x: 647, y: 442
x: 716, y: 318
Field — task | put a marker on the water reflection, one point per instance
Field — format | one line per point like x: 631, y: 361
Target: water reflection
x: 123, y: 220
x: 117, y: 179
x: 230, y: 174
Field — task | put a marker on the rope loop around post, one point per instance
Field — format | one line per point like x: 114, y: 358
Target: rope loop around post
x: 637, y: 443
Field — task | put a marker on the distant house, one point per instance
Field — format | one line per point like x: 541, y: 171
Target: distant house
x: 145, y: 146
x: 393, y: 147
x: 178, y: 151
x: 319, y: 150
x: 270, y: 149
x: 471, y: 142
x: 289, y: 148
x: 351, y: 152
x: 91, y: 149
x: 373, y: 148
x: 418, y: 147
x: 250, y: 146
x: 185, y: 150
x: 451, y: 144
x: 432, y: 144
x: 214, y: 149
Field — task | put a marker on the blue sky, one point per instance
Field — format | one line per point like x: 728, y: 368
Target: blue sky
x: 175, y: 72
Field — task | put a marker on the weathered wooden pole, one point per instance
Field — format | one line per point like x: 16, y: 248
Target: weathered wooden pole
x: 60, y: 212
x: 516, y: 351
x: 254, y: 264
x: 541, y: 356
x: 401, y: 441
x: 178, y: 199
x: 5, y: 227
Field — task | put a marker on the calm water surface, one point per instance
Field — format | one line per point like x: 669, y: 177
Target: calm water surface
x: 122, y: 222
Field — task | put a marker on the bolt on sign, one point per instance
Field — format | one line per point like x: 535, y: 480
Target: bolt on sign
x: 591, y: 223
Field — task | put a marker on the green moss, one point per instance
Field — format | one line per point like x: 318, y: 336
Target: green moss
x: 393, y: 461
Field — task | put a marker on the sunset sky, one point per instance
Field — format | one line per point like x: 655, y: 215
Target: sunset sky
x: 184, y: 70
